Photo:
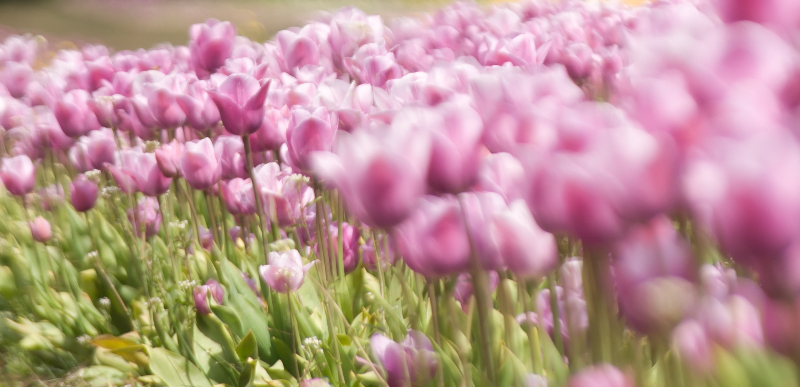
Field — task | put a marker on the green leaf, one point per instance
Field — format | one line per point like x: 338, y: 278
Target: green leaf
x: 344, y: 339
x: 247, y: 347
x: 230, y: 318
x: 210, y: 359
x: 175, y: 370
x: 248, y: 374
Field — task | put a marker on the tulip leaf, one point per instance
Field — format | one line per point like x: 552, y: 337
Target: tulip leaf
x: 229, y: 316
x: 175, y: 370
x: 210, y: 359
x: 247, y: 347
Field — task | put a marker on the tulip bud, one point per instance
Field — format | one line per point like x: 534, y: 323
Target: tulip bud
x: 200, y: 299
x: 309, y: 132
x: 40, y: 229
x: 217, y: 291
x: 168, y: 158
x: 18, y: 174
x: 83, y: 193
x: 212, y: 43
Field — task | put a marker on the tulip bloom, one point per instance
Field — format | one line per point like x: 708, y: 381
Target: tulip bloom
x: 83, y: 193
x: 146, y: 214
x: 309, y: 132
x: 229, y: 150
x: 40, y: 229
x: 143, y: 168
x: 74, y: 114
x: 199, y: 164
x: 212, y: 43
x: 405, y: 363
x: 285, y: 271
x: 381, y: 176
x: 168, y: 158
x: 240, y: 100
x: 201, y: 111
x: 600, y: 376
x: 18, y: 174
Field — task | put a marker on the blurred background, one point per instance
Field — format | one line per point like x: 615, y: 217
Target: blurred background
x: 132, y: 24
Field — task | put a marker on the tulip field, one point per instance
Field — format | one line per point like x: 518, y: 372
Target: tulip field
x: 539, y: 193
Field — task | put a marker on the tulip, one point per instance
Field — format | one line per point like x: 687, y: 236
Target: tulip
x: 52, y: 196
x: 285, y: 271
x: 308, y: 132
x: 603, y: 375
x: 350, y: 237
x: 74, y: 114
x: 144, y: 169
x: 206, y: 238
x: 163, y: 105
x: 433, y: 241
x: 199, y: 165
x: 18, y: 174
x: 380, y: 177
x: 217, y: 291
x: 40, y: 229
x: 147, y: 215
x: 229, y: 150
x: 693, y: 345
x: 464, y: 288
x: 240, y: 100
x: 201, y: 111
x: 536, y: 381
x: 200, y: 295
x: 405, y: 363
x: 526, y: 249
x: 501, y: 173
x: 212, y: 43
x: 236, y: 194
x: 168, y: 158
x: 653, y: 272
x: 454, y: 152
x: 16, y: 77
x: 383, y: 247
x: 83, y: 193
x: 252, y: 284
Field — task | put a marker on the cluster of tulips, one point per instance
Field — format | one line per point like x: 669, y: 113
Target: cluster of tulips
x: 542, y: 193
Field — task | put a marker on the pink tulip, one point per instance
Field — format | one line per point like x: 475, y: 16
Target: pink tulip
x: 83, y: 193
x: 146, y: 215
x: 501, y: 173
x: 74, y: 114
x: 18, y: 174
x: 201, y: 111
x: 285, y: 271
x: 653, y: 269
x: 464, y: 288
x: 433, y: 241
x: 240, y: 100
x: 40, y: 229
x: 454, y: 152
x: 229, y: 150
x: 526, y: 249
x: 600, y: 376
x: 350, y: 237
x: 199, y: 165
x: 144, y: 169
x: 235, y: 194
x: 16, y: 77
x: 309, y: 132
x: 163, y: 105
x: 211, y: 44
x: 381, y: 175
x: 406, y: 363
x: 200, y: 296
x: 168, y: 157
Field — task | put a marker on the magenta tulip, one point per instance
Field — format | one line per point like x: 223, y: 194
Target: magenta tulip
x: 83, y: 193
x: 309, y: 132
x: 229, y: 150
x: 240, y: 100
x: 144, y: 169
